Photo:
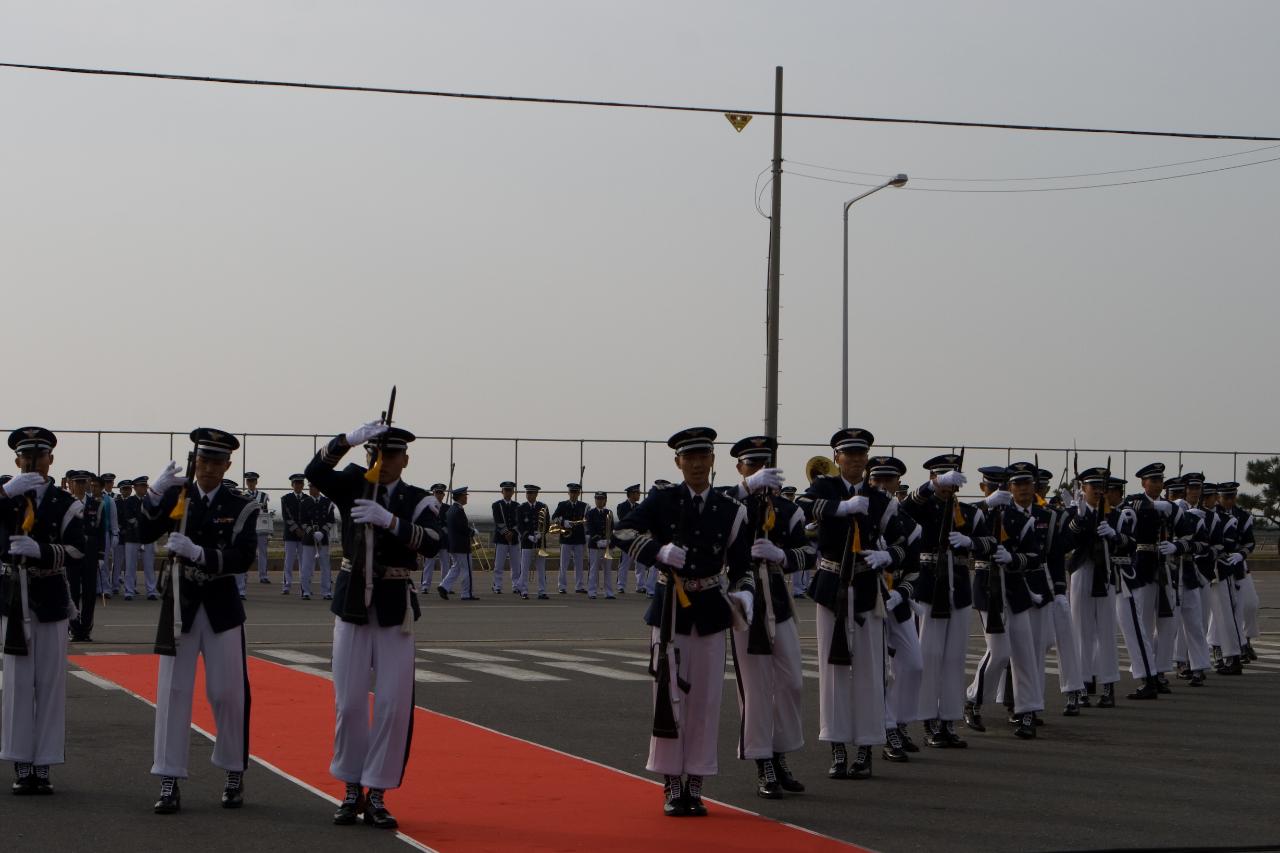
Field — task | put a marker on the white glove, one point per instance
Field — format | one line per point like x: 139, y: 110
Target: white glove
x: 1002, y: 556
x: 361, y: 434
x: 1037, y: 599
x: 999, y: 498
x: 602, y: 543
x: 1163, y: 507
x: 1167, y: 548
x: 763, y: 549
x: 24, y: 546
x: 1061, y: 601
x: 959, y: 540
x: 1105, y: 530
x: 181, y: 544
x: 765, y: 478
x: 1235, y: 558
x: 1182, y: 504
x: 23, y: 483
x: 746, y: 602
x: 671, y: 555
x: 365, y: 511
x: 878, y: 559
x: 856, y: 505
x: 171, y: 476
x: 1197, y: 512
x: 953, y: 479
x: 434, y: 503
x: 318, y: 536
x: 894, y: 599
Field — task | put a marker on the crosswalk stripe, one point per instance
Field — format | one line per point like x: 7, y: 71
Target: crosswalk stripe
x: 621, y: 654
x: 467, y: 654
x: 511, y: 672
x: 426, y: 676
x: 602, y: 671
x: 560, y: 656
x: 311, y: 670
x: 291, y: 656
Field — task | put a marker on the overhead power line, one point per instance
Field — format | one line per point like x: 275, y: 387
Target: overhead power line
x: 526, y: 99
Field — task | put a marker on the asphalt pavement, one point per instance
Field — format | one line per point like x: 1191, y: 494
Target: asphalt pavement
x: 1194, y: 770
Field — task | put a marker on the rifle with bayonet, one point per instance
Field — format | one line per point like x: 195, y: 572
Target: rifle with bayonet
x: 359, y: 596
x: 839, y: 654
x: 666, y: 723
x: 952, y: 517
x: 169, y: 631
x: 18, y: 628
x: 760, y: 632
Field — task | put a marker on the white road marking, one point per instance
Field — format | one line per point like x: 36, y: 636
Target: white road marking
x: 511, y: 672
x: 467, y: 654
x: 95, y: 680
x: 427, y: 677
x: 602, y: 671
x: 291, y: 656
x: 560, y: 656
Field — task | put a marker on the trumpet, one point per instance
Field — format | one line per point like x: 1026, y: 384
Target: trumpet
x: 543, y: 529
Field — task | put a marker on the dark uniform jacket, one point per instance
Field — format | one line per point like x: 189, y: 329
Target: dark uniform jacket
x: 458, y: 529
x: 130, y: 511
x: 319, y: 516
x: 527, y: 523
x: 906, y: 575
x: 225, y: 530
x: 93, y: 530
x: 567, y: 511
x: 1244, y: 539
x: 787, y: 534
x: 60, y: 531
x: 1046, y: 546
x: 506, y: 522
x: 293, y: 507
x: 879, y: 529
x: 418, y: 532
x: 595, y: 525
x: 1150, y: 527
x: 1016, y: 531
x: 716, y: 541
x: 931, y: 584
x: 1086, y: 547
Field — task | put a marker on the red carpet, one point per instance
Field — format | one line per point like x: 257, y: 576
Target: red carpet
x: 536, y: 803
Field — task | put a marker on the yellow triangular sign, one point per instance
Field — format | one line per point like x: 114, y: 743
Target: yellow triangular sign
x: 738, y: 120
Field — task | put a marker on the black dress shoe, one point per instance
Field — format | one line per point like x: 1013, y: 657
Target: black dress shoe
x: 542, y: 596
x: 233, y: 792
x: 956, y: 742
x: 1108, y: 697
x: 1026, y: 728
x: 907, y: 743
x: 170, y: 801
x: 1197, y: 679
x: 973, y: 717
x: 935, y: 736
x: 1073, y: 706
x: 673, y: 804
x: 767, y: 784
x: 378, y: 817
x: 839, y: 768
x: 351, y: 807
x: 861, y: 766
x: 1162, y: 684
x: 43, y: 785
x: 1183, y: 671
x: 444, y: 593
x: 789, y: 783
x: 1035, y: 718
x: 1232, y: 667
x: 1085, y: 701
x: 1249, y: 652
x: 1148, y: 690
x: 24, y: 782
x: 693, y: 797
x: 893, y: 749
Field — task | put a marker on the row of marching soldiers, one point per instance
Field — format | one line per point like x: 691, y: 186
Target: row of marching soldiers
x: 896, y: 574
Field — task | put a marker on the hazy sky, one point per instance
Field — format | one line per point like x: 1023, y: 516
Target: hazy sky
x: 176, y: 254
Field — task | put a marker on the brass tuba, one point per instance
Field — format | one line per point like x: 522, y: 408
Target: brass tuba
x: 820, y: 466
x: 542, y: 531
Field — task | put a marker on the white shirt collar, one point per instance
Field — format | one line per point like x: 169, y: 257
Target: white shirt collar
x: 208, y: 495
x: 702, y: 494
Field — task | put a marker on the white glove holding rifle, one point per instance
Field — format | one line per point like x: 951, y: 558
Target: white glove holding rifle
x: 765, y: 478
x: 363, y: 433
x: 744, y: 603
x: 27, y: 481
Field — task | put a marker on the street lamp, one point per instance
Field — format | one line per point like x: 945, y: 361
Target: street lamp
x: 897, y: 180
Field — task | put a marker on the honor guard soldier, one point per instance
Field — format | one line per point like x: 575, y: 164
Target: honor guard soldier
x: 1190, y: 602
x: 647, y: 576
x: 1223, y: 630
x: 376, y: 607
x: 1143, y: 588
x: 902, y: 693
x: 110, y: 532
x: 293, y: 508
x: 320, y: 525
x: 1238, y: 560
x: 766, y: 652
x: 211, y: 540
x: 135, y: 549
x: 41, y: 532
x: 700, y: 538
x: 952, y: 535
x: 506, y: 536
x: 599, y: 529
x: 118, y: 556
x: 265, y: 516
x: 532, y: 520
x: 570, y: 515
x: 82, y: 574
x: 849, y: 590
x: 440, y: 560
x: 459, y: 533
x: 627, y: 565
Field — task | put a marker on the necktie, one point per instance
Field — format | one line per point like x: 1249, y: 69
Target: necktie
x: 697, y: 504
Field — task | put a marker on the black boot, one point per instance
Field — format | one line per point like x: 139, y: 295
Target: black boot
x: 1249, y: 652
x: 1197, y: 679
x: 839, y: 762
x: 233, y: 791
x: 693, y: 797
x: 43, y: 784
x: 170, y: 801
x: 1231, y: 666
x: 907, y: 743
x: 375, y: 812
x: 1181, y: 670
x: 767, y: 785
x: 1035, y: 718
x: 1073, y: 705
x: 973, y: 717
x: 789, y: 783
x: 1148, y: 690
x: 24, y: 779
x: 1026, y: 728
x: 1162, y: 683
x: 893, y: 749
x: 936, y: 737
x: 1083, y: 698
x: 673, y: 797
x: 351, y: 806
x: 861, y: 767
x: 955, y: 741
x: 1108, y: 698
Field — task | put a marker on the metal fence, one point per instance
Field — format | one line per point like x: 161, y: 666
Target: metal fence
x: 604, y: 464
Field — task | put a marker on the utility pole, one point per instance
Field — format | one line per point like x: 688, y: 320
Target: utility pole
x: 775, y: 249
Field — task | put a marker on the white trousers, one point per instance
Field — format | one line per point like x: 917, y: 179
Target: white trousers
x: 134, y: 551
x: 942, y: 649
x: 851, y: 699
x: 646, y: 578
x: 307, y: 565
x: 1247, y: 607
x: 372, y: 752
x: 1094, y: 622
x: 625, y: 566
x: 571, y: 554
x: 902, y: 692
x: 1163, y: 628
x: 118, y: 564
x: 598, y: 578
x: 528, y: 558
x: 262, y: 555
x: 1015, y: 649
x: 701, y: 663
x: 104, y: 569
x: 292, y: 560
x: 799, y: 581
x: 1129, y: 610
x: 33, y: 705
x: 322, y: 562
x: 429, y: 566
x: 459, y: 568
x: 226, y: 683
x: 1223, y: 630
x: 770, y: 694
x: 505, y: 558
x: 1191, y: 647
x: 1060, y: 633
